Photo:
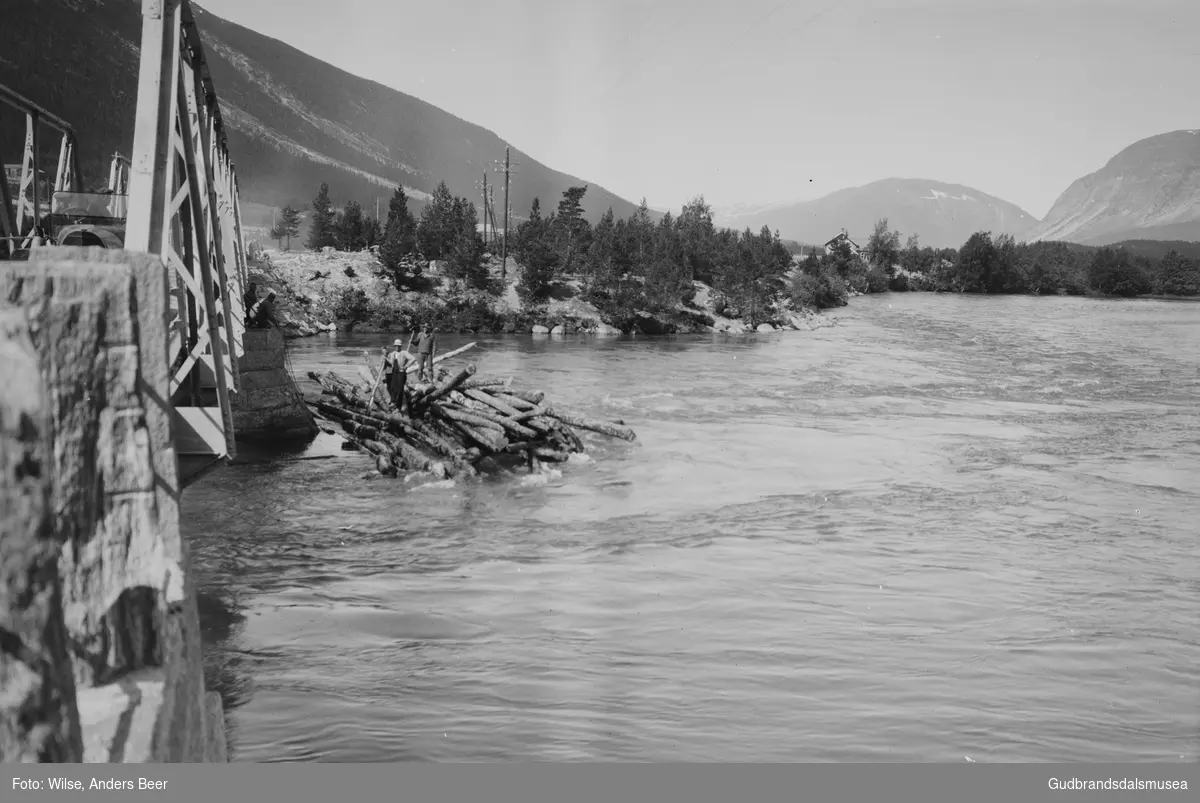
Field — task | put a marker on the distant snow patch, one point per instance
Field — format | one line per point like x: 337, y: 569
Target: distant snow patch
x: 936, y: 194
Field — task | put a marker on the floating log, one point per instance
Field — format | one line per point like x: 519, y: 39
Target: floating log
x: 361, y: 430
x: 542, y: 424
x: 604, y: 428
x: 492, y: 401
x: 434, y: 440
x: 575, y: 440
x: 376, y: 447
x: 492, y: 441
x: 501, y: 421
x: 413, y: 457
x: 533, y: 412
x: 477, y: 384
x: 515, y: 402
x: 447, y: 386
x: 474, y: 419
x: 412, y: 369
x: 532, y: 397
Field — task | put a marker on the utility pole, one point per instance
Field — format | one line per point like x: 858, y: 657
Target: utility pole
x: 377, y: 207
x: 507, y: 170
x: 483, y: 187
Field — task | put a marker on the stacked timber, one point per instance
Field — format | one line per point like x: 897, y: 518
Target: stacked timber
x: 458, y: 424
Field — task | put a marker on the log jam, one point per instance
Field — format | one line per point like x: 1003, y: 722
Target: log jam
x: 459, y: 424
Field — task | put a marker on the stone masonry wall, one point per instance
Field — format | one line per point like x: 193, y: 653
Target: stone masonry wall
x: 100, y: 655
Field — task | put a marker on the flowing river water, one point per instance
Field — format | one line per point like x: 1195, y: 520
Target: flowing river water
x: 947, y: 527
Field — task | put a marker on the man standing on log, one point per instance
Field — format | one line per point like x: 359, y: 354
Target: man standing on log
x: 395, y: 366
x: 426, y: 345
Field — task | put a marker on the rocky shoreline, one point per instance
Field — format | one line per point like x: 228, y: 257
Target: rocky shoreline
x: 339, y: 291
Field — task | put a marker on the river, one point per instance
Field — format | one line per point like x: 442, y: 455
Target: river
x: 949, y: 527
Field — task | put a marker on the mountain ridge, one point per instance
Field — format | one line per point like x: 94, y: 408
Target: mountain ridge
x: 293, y: 121
x: 1149, y: 189
x: 941, y: 214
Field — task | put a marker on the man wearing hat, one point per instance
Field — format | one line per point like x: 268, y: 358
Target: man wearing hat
x: 395, y: 369
x: 426, y: 344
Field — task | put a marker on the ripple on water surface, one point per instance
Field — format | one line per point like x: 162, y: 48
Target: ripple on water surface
x: 950, y: 526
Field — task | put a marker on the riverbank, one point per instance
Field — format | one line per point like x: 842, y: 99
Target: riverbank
x: 341, y: 291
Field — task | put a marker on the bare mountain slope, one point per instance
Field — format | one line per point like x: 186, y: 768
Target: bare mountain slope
x: 1150, y: 190
x: 294, y: 120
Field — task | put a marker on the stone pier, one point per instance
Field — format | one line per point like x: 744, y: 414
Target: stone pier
x: 100, y: 651
x: 269, y: 406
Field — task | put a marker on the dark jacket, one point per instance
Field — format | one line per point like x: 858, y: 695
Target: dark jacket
x: 425, y: 342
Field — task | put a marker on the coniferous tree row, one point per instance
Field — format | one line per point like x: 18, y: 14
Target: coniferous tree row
x: 634, y: 266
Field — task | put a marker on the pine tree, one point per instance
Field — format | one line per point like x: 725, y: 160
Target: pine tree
x: 698, y: 238
x: 528, y: 231
x: 641, y: 232
x: 289, y: 224
x: 321, y: 227
x: 538, y: 256
x: 466, y: 253
x: 399, y: 237
x: 599, y: 267
x: 349, y: 228
x: 372, y: 231
x: 439, y: 223
x: 664, y: 268
x: 571, y: 231
x: 278, y: 233
x: 541, y: 267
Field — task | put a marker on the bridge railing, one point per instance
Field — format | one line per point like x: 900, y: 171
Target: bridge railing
x: 21, y: 215
x: 184, y: 207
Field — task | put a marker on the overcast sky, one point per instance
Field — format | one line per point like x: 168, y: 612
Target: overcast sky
x: 761, y: 100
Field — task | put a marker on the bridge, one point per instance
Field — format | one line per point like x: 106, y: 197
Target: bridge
x: 122, y: 325
x: 177, y: 198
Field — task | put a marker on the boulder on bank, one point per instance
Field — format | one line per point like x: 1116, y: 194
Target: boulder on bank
x: 798, y: 322
x: 538, y: 329
x: 559, y: 330
x: 765, y: 327
x: 651, y: 325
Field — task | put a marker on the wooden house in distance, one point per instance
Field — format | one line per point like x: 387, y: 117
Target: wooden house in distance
x: 855, y: 248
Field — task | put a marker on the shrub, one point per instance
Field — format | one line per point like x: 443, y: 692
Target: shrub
x: 821, y: 289
x: 350, y: 305
x: 877, y: 280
